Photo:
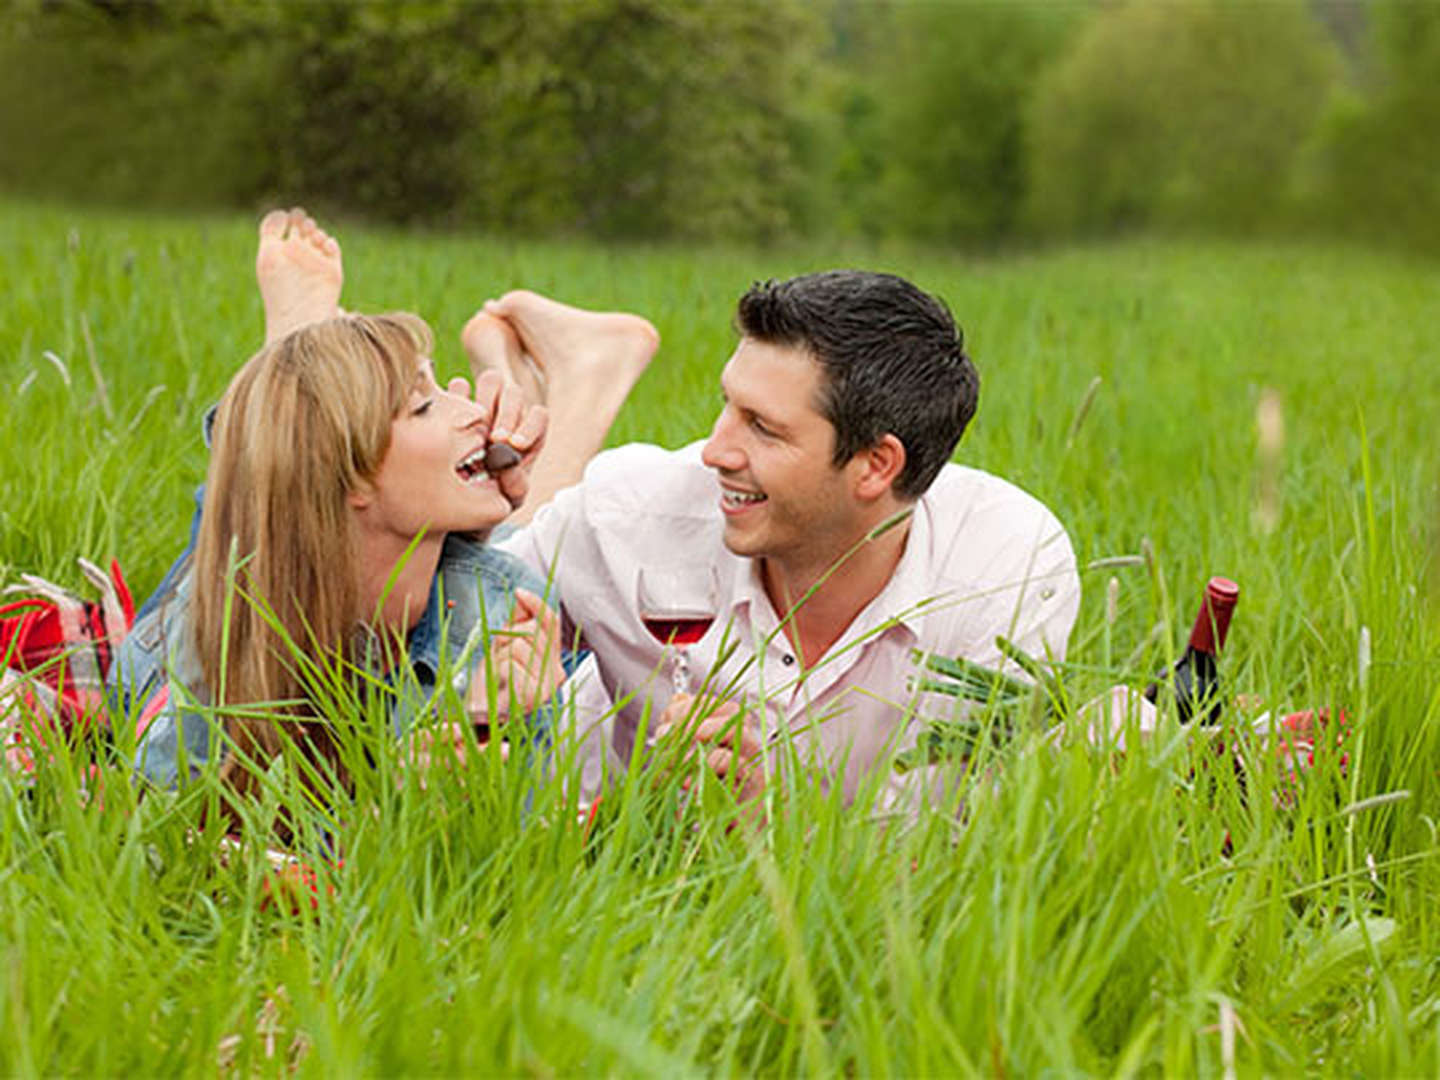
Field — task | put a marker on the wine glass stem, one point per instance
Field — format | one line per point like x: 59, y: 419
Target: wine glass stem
x: 680, y: 670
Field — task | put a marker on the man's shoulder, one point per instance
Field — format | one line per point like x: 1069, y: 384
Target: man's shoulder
x: 630, y: 499
x: 963, y: 493
x: 1006, y: 563
x: 978, y: 518
x: 639, y: 461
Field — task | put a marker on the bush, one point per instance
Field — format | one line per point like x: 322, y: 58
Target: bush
x: 1178, y: 115
x: 952, y: 111
x: 131, y: 104
x: 913, y: 127
x: 1380, y: 152
x: 616, y: 117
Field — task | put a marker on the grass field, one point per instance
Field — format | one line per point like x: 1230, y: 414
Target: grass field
x: 1082, y: 919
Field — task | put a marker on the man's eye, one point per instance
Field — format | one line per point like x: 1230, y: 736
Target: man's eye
x: 760, y: 426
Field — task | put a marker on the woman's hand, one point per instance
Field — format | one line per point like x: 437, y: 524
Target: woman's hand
x: 512, y: 423
x: 443, y: 746
x: 523, y: 664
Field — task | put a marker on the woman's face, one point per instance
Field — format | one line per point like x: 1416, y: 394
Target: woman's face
x: 433, y: 475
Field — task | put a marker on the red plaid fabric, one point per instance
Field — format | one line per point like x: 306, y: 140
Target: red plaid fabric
x: 55, y: 651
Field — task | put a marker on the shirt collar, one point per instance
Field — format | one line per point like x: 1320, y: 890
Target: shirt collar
x: 912, y: 585
x: 903, y: 600
x: 423, y: 645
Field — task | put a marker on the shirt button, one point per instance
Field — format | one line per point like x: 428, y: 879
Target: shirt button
x: 788, y: 659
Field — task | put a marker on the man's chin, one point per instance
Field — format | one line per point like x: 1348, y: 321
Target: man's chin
x: 741, y: 542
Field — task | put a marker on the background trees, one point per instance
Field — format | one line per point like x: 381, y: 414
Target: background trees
x: 1382, y: 156
x: 1184, y: 115
x: 945, y: 123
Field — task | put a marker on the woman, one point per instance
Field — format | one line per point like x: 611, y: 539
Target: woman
x: 344, y: 490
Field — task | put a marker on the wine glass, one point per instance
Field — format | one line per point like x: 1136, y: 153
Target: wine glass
x: 677, y: 605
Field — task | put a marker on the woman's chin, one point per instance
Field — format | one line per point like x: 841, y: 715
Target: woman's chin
x: 489, y: 512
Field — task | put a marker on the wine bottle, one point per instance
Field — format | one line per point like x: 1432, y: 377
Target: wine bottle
x: 1194, y: 680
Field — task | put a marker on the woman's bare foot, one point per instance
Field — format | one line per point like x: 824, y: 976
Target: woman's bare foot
x: 575, y: 347
x: 490, y: 343
x: 588, y: 362
x: 299, y: 271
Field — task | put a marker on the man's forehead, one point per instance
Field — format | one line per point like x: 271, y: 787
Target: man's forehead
x: 773, y: 380
x: 768, y: 360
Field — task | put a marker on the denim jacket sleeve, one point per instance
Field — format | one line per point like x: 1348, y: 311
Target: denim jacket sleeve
x: 156, y: 680
x: 473, y: 596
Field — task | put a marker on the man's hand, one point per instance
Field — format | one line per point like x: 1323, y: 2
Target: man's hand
x: 512, y: 423
x: 523, y: 663
x: 728, y: 736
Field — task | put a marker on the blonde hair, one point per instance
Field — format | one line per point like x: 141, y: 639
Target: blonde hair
x: 303, y: 425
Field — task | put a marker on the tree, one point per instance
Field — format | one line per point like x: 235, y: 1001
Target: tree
x: 1178, y: 115
x: 952, y: 109
x: 618, y: 117
x: 1380, y: 149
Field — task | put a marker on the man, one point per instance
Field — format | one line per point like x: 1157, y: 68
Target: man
x: 843, y: 403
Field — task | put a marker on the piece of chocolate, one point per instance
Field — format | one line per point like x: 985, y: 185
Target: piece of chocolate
x: 501, y: 457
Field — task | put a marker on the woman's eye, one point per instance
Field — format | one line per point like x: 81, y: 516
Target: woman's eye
x: 422, y: 408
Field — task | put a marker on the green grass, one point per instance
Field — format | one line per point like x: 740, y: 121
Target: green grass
x: 1081, y: 919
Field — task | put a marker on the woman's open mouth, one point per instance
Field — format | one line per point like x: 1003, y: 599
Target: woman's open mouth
x: 472, y: 469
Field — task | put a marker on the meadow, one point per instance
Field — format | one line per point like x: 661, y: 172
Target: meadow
x: 1088, y: 913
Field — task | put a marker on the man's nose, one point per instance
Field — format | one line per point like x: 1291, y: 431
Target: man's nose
x: 722, y: 451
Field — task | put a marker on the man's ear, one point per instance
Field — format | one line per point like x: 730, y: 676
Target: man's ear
x: 878, y: 467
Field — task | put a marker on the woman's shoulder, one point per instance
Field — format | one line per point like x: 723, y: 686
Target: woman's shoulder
x: 466, y: 557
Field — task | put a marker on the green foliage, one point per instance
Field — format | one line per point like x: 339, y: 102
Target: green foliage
x: 131, y: 104
x: 1178, y: 115
x: 910, y: 125
x: 1079, y: 918
x: 1379, y: 147
x: 943, y: 122
x: 620, y: 117
x: 955, y: 82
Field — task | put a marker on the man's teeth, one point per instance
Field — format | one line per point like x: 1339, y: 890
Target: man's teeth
x: 741, y: 498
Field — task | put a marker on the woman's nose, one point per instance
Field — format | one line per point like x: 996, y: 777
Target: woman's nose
x: 466, y: 413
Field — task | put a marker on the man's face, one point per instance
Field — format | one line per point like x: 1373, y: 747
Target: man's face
x: 772, y: 449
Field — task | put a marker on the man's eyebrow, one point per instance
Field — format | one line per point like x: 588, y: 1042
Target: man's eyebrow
x: 769, y: 419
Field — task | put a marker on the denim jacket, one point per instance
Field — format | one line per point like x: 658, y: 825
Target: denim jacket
x: 472, y: 594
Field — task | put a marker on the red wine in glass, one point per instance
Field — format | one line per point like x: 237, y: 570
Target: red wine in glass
x: 677, y: 629
x: 677, y: 604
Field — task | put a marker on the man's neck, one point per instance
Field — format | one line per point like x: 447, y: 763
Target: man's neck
x: 827, y: 596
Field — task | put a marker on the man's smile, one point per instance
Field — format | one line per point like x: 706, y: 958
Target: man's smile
x: 734, y: 501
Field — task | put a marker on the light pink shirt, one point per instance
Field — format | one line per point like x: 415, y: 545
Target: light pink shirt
x: 982, y: 558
